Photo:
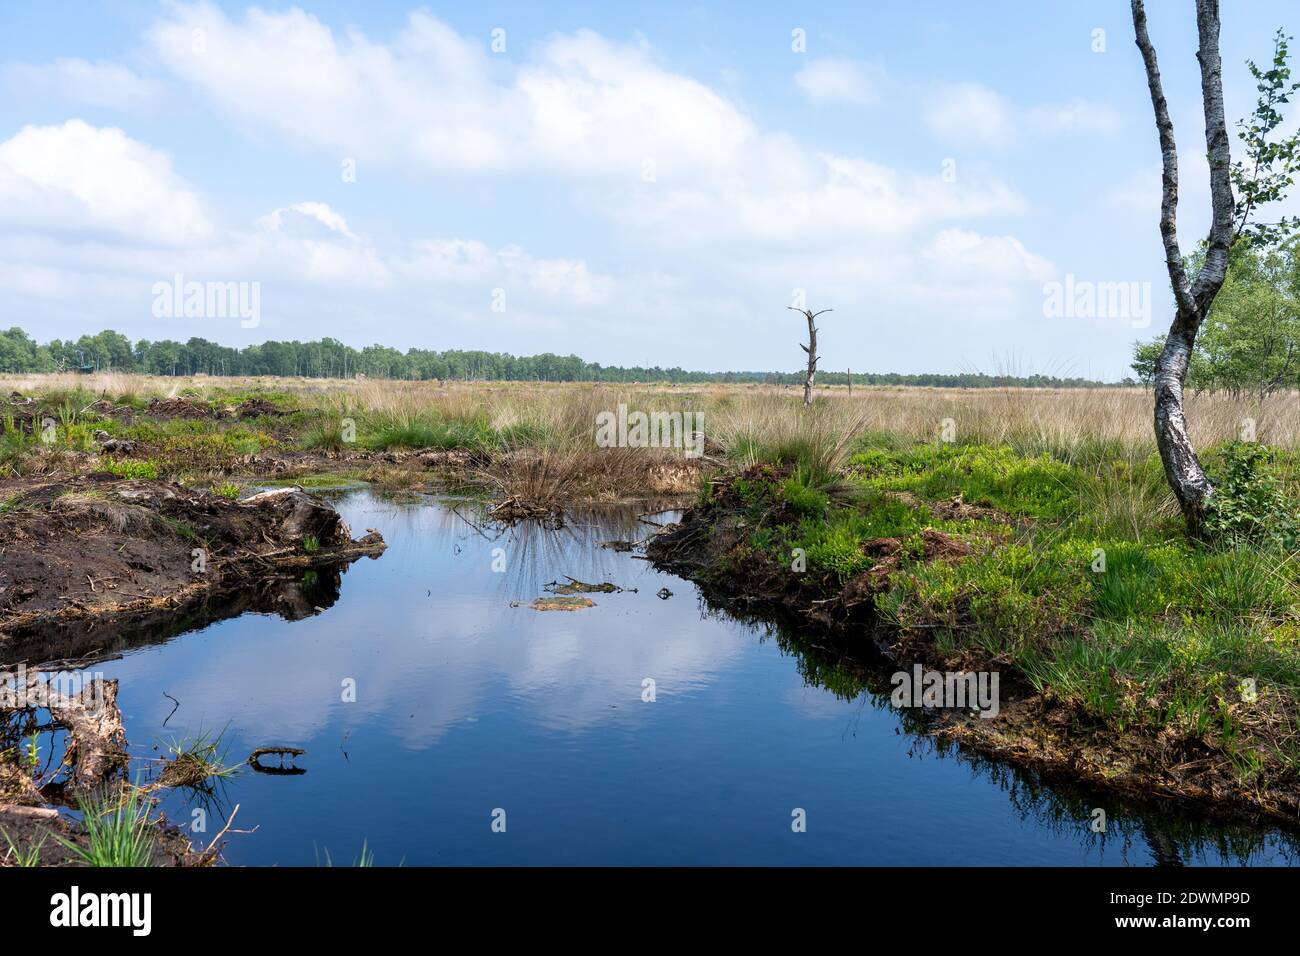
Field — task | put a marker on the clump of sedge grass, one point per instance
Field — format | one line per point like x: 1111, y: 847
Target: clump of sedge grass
x: 23, y: 856
x: 195, y: 761
x: 118, y: 830
x: 228, y: 489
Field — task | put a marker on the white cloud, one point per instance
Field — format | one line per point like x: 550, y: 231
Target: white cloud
x: 584, y: 105
x: 662, y: 151
x: 733, y: 217
x: 832, y: 79
x: 594, y: 106
x: 306, y: 219
x: 96, y: 84
x: 77, y: 178
x: 428, y: 97
x: 969, y: 112
x: 541, y: 281
x: 973, y: 265
x: 297, y: 250
x: 820, y: 201
x: 312, y: 242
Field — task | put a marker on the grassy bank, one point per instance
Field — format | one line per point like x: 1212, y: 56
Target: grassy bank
x: 1130, y: 655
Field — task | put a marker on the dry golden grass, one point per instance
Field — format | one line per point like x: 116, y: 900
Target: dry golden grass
x: 1061, y: 421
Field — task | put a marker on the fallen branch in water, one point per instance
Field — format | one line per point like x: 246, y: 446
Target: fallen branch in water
x: 212, y: 849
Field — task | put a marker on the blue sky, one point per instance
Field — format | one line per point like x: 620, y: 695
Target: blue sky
x: 631, y: 183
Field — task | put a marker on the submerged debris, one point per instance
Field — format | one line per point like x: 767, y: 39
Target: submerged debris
x: 582, y: 587
x: 196, y: 762
x: 255, y: 760
x: 96, y: 742
x: 561, y: 603
x: 513, y: 510
x: 91, y: 776
x: 184, y: 770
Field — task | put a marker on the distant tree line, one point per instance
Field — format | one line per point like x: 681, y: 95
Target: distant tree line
x: 329, y: 358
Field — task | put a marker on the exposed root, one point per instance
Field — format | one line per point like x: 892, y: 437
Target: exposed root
x: 96, y: 745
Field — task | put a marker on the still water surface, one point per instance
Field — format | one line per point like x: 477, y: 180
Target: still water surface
x: 465, y: 704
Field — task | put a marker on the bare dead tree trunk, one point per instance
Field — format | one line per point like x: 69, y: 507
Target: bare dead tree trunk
x: 810, y: 348
x: 1192, y: 298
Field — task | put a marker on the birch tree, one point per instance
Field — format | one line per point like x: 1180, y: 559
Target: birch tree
x: 1265, y: 180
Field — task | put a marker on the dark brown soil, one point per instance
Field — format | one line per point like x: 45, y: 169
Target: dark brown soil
x: 168, y: 408
x: 256, y: 408
x: 41, y: 826
x: 98, y: 547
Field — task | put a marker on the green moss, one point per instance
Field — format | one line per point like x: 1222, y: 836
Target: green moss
x: 835, y: 550
x: 803, y: 500
x: 1039, y: 487
x: 130, y: 468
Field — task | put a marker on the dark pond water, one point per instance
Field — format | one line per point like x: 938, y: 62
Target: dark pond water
x: 465, y: 705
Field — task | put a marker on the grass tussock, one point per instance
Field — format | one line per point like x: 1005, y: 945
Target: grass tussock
x: 196, y: 762
x: 118, y: 830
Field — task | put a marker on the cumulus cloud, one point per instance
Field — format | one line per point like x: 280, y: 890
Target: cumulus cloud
x: 823, y: 201
x: 310, y: 241
x: 431, y: 98
x: 663, y: 156
x: 306, y: 220
x: 959, y: 252
x: 594, y: 106
x: 427, y: 97
x: 698, y: 206
x: 549, y: 281
x: 77, y: 178
x: 669, y: 152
